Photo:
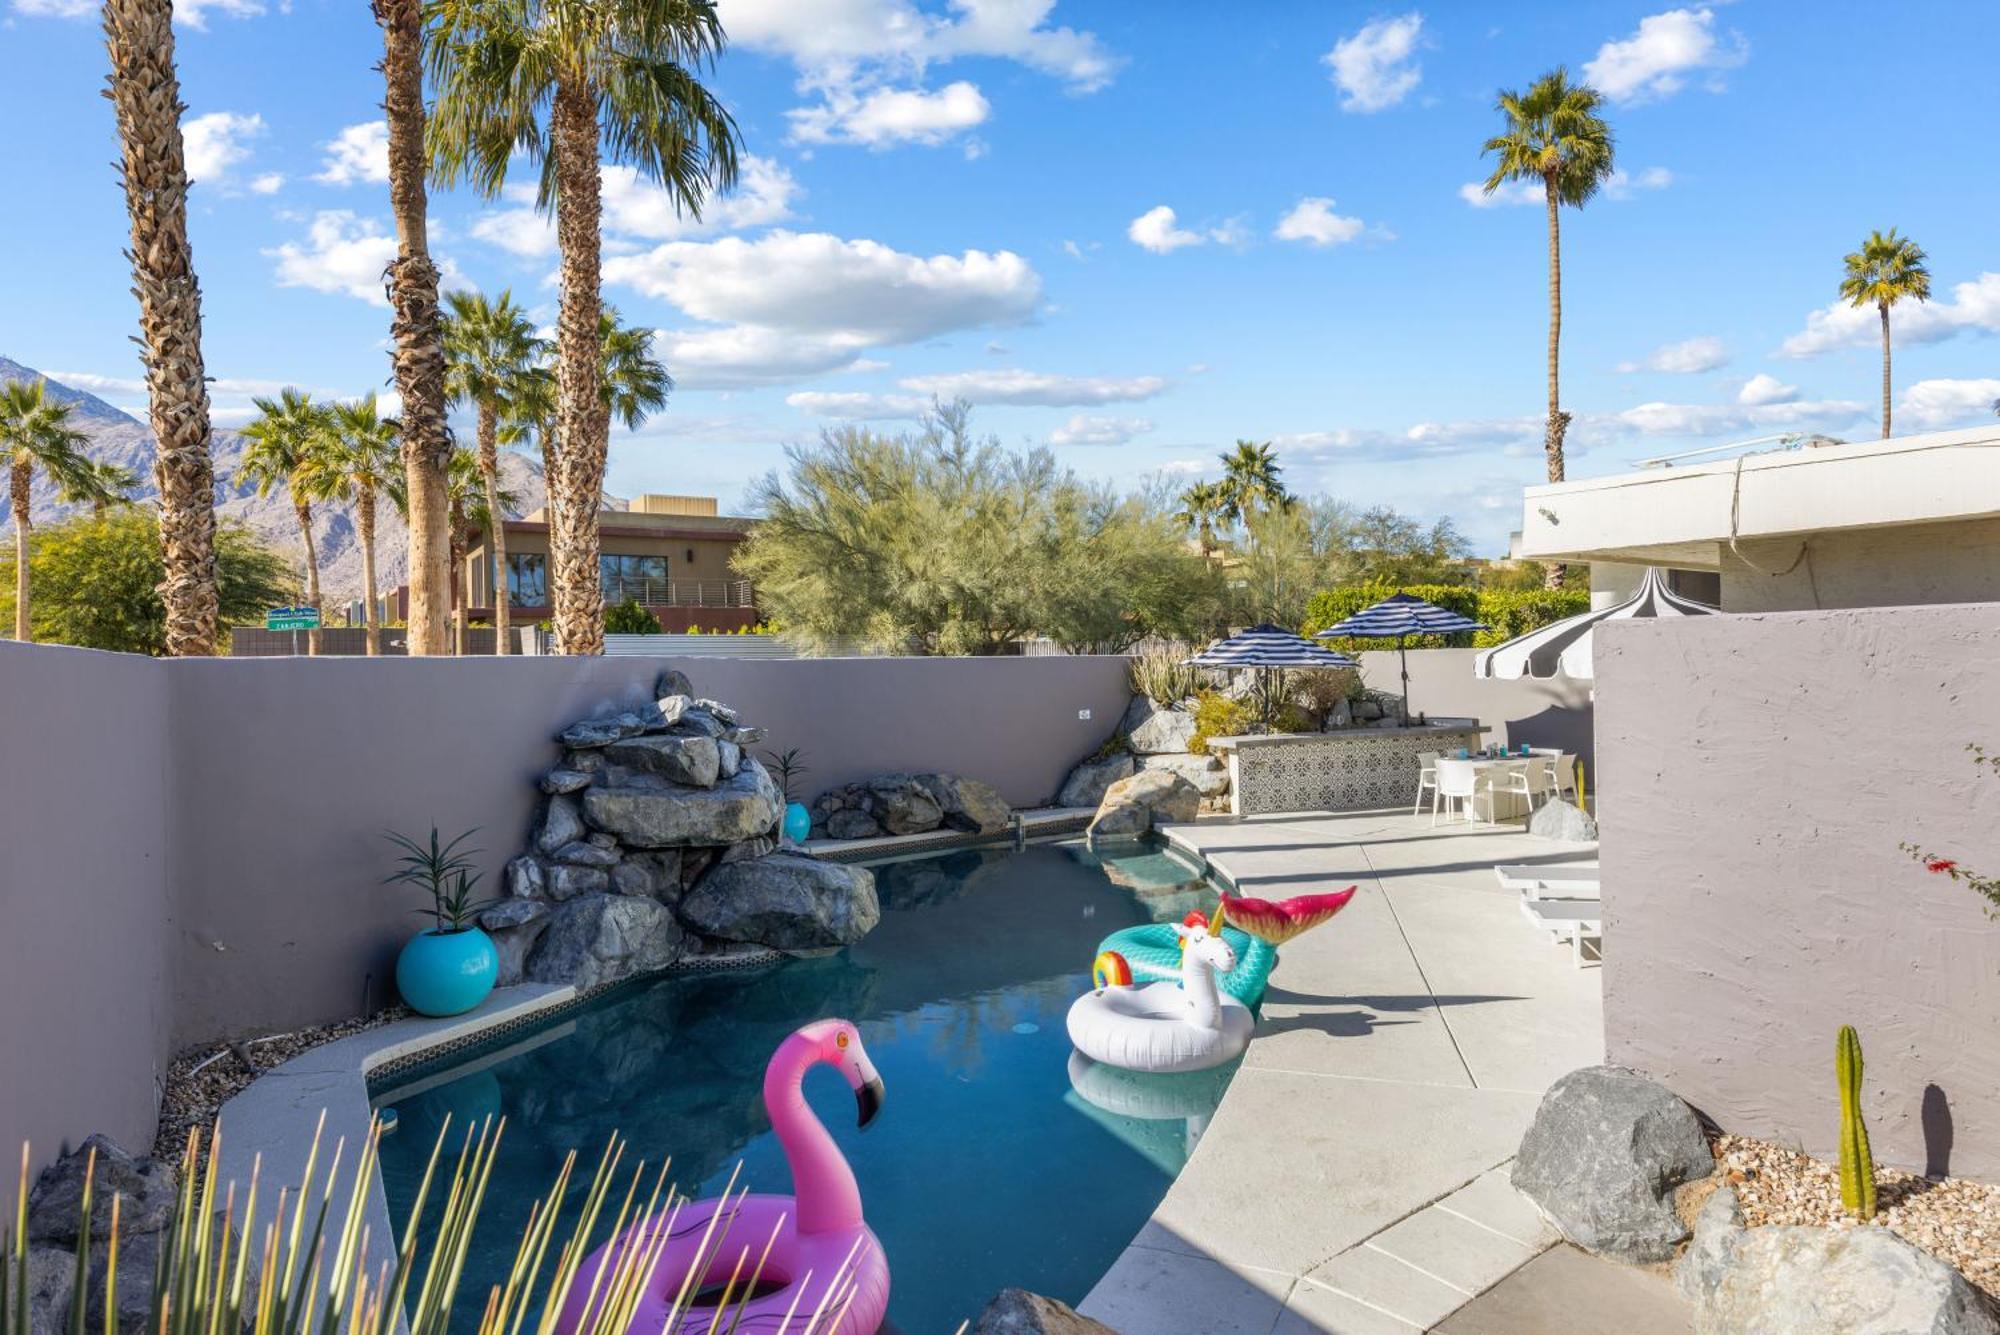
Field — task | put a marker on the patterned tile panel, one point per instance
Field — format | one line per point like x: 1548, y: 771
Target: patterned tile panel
x: 1344, y: 771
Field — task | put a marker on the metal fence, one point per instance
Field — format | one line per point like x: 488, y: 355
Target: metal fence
x: 678, y: 592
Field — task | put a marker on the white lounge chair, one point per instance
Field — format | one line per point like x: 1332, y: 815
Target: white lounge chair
x: 1570, y: 920
x: 1565, y: 878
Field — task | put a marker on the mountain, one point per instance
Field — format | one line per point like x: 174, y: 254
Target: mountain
x: 119, y: 437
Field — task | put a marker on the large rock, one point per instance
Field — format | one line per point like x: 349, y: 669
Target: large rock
x: 1856, y: 1280
x: 567, y: 881
x: 601, y: 938
x: 745, y: 807
x: 1133, y: 806
x: 789, y: 901
x: 905, y: 803
x: 1565, y: 821
x: 656, y: 875
x: 849, y: 823
x: 515, y: 926
x: 1717, y: 1230
x: 672, y: 682
x: 1606, y: 1152
x: 969, y: 804
x: 51, y: 1288
x: 1086, y: 784
x: 561, y: 825
x: 1019, y: 1312
x: 55, y: 1206
x: 902, y: 804
x: 695, y: 761
x: 1151, y: 729
x: 1207, y: 773
x: 526, y: 878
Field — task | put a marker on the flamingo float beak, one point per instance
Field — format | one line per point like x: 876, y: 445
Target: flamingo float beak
x: 868, y: 1100
x: 866, y: 1082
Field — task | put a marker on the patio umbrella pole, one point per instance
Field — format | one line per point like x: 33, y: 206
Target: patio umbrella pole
x: 1403, y: 657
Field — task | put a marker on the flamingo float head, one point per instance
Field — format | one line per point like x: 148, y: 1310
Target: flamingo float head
x: 839, y: 1046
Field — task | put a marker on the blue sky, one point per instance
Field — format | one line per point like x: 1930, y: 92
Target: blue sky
x: 971, y: 196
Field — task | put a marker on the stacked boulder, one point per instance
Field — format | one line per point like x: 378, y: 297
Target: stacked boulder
x: 1150, y: 737
x: 658, y: 838
x: 909, y: 804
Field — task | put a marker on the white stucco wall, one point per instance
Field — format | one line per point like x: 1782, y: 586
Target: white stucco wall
x: 1876, y: 567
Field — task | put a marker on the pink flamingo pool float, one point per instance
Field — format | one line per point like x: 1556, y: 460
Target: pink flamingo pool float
x: 823, y: 1258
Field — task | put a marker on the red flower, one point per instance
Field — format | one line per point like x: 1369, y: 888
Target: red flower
x: 1939, y: 864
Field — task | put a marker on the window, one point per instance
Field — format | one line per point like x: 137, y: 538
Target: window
x: 527, y: 579
x: 641, y: 578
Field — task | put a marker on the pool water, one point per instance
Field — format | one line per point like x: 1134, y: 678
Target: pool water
x: 986, y: 1166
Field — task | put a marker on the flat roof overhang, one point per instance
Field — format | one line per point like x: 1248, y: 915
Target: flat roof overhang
x: 1683, y: 516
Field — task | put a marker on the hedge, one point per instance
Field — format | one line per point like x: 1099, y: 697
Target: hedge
x: 1505, y: 612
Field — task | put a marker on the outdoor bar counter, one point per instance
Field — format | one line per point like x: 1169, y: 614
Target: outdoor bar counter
x: 1352, y: 769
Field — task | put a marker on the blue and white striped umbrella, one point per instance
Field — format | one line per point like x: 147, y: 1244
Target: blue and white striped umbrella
x: 1269, y: 646
x: 1398, y: 617
x: 1563, y: 648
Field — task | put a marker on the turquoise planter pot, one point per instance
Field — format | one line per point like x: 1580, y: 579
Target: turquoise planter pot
x: 798, y: 822
x: 447, y: 973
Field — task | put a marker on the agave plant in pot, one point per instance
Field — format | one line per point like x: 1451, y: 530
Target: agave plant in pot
x: 790, y: 765
x: 449, y: 967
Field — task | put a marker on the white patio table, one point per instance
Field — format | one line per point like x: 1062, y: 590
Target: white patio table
x: 1490, y: 803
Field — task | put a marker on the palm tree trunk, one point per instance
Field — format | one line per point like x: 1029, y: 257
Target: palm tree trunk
x: 416, y: 329
x: 545, y: 435
x: 364, y: 520
x: 17, y: 493
x: 489, y: 473
x: 1552, y: 444
x: 145, y: 89
x: 583, y: 422
x: 303, y: 511
x: 1884, y: 306
x: 457, y: 587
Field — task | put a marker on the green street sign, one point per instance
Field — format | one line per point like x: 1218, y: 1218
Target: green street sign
x: 292, y: 618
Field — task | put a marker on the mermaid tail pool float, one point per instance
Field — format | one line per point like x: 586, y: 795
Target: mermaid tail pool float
x: 1254, y: 929
x: 823, y: 1259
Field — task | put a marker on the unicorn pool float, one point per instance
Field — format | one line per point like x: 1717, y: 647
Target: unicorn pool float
x: 824, y: 1273
x: 1194, y: 1024
x: 1255, y: 929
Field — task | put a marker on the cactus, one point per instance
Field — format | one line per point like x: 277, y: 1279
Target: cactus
x: 1857, y: 1164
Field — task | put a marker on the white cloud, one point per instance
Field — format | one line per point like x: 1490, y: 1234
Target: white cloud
x: 1703, y: 420
x: 1313, y: 221
x: 1690, y: 356
x: 1623, y: 185
x: 1972, y: 307
x: 1508, y: 192
x: 93, y: 383
x: 192, y: 13
x: 1656, y: 60
x: 885, y: 117
x: 345, y: 253
x: 1943, y: 403
x: 269, y: 183
x: 1159, y: 230
x: 523, y: 231
x: 1084, y: 430
x: 863, y: 37
x: 1763, y: 388
x: 217, y: 141
x: 859, y: 407
x: 1375, y: 67
x: 359, y: 153
x: 1035, y: 387
x: 743, y: 356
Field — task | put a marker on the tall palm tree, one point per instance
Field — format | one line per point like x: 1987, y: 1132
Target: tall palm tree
x: 1884, y: 271
x: 146, y: 92
x: 35, y: 433
x: 465, y: 498
x: 287, y: 439
x: 1252, y: 480
x: 359, y: 461
x: 490, y: 351
x: 566, y: 83
x: 1202, y: 505
x: 113, y: 484
x: 416, y: 329
x: 1553, y: 135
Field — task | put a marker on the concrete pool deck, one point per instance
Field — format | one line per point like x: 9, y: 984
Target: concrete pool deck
x: 1354, y: 1178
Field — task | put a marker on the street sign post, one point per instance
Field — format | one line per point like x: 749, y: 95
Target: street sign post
x: 293, y: 619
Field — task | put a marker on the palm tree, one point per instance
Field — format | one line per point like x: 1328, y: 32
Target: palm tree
x: 1202, y: 504
x: 287, y: 440
x: 1884, y: 271
x: 112, y: 484
x: 465, y: 500
x: 490, y: 350
x: 145, y: 90
x: 359, y: 461
x: 1252, y: 481
x: 1554, y: 135
x: 416, y: 329
x: 35, y: 433
x: 548, y: 79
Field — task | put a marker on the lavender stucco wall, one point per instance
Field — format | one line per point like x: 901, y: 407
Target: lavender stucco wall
x: 192, y: 850
x: 86, y: 928
x: 1759, y: 773
x: 1551, y: 712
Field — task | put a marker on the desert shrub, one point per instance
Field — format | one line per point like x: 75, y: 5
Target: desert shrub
x: 1216, y: 715
x: 1164, y: 676
x: 628, y: 618
x: 1319, y: 691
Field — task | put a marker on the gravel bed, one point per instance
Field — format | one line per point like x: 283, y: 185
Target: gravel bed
x: 1954, y: 1220
x: 204, y: 1078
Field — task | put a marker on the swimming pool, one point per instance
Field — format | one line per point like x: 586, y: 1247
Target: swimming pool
x: 988, y: 1165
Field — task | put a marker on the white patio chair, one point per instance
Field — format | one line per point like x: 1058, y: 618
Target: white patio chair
x: 1532, y: 779
x: 1427, y: 780
x: 1458, y: 781
x: 1562, y: 769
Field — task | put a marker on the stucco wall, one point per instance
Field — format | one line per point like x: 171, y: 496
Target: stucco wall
x: 1551, y: 712
x: 1759, y: 772
x: 1865, y: 567
x: 86, y: 927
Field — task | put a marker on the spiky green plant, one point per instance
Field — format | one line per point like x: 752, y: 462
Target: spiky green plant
x: 1164, y: 676
x: 313, y: 1274
x: 788, y: 767
x: 1857, y: 1164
